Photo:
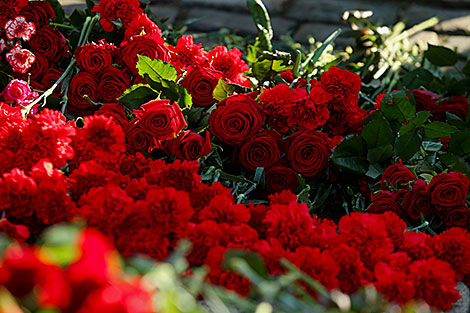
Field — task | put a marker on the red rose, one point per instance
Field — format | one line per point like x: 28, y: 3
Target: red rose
x: 455, y: 105
x: 150, y: 45
x: 260, y: 151
x: 200, y: 83
x: 448, y: 190
x: 236, y: 119
x: 50, y: 42
x: 425, y: 100
x: 49, y: 77
x: 458, y: 216
x: 9, y: 10
x: 189, y: 146
x: 115, y: 111
x: 308, y: 152
x: 161, y: 119
x: 136, y: 137
x: 384, y: 201
x: 396, y: 176
x: 93, y: 57
x: 280, y: 177
x: 82, y: 84
x: 112, y: 83
x: 416, y: 201
x: 38, y: 12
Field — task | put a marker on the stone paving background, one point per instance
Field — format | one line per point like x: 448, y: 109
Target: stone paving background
x: 319, y: 18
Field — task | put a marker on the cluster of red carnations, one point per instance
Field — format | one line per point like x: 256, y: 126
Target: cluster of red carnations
x: 53, y: 171
x: 277, y: 128
x: 93, y: 282
x: 407, y: 196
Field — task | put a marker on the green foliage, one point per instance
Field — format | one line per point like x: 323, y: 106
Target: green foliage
x: 263, y: 23
x: 351, y: 154
x: 137, y: 95
x: 441, y: 56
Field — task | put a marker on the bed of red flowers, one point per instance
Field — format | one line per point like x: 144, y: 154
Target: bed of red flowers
x: 152, y: 139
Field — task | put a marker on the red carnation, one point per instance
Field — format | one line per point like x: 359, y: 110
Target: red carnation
x: 186, y: 54
x: 112, y: 10
x: 141, y: 24
x: 341, y: 84
x: 229, y: 62
x: 434, y: 282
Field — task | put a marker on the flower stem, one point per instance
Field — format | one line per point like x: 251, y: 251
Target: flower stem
x: 61, y: 25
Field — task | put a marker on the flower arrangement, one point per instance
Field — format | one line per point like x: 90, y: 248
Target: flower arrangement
x: 108, y: 117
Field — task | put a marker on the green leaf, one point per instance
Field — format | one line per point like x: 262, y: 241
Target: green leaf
x: 137, y: 95
x: 374, y: 171
x: 313, y: 57
x: 455, y: 163
x: 420, y: 118
x: 417, y: 121
x: 321, y: 196
x: 407, y: 145
x: 441, y: 56
x: 460, y: 142
x: 438, y: 130
x: 90, y: 4
x: 263, y: 23
x: 431, y: 146
x: 397, y: 107
x: 58, y: 10
x: 417, y: 78
x: 378, y: 133
x: 454, y: 120
x: 253, y: 259
x: 380, y: 154
x: 223, y: 90
x: 77, y: 18
x: 262, y: 69
x: 157, y: 70
x: 466, y: 68
x: 185, y: 100
x: 351, y: 154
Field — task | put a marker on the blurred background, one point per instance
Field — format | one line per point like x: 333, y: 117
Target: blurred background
x: 303, y: 20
